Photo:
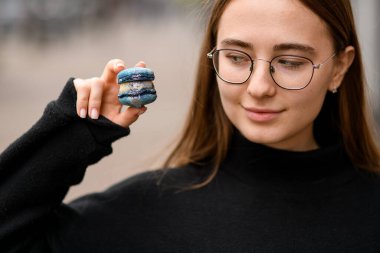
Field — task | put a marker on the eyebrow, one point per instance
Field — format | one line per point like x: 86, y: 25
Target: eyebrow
x: 235, y: 42
x: 294, y: 46
x: 279, y: 47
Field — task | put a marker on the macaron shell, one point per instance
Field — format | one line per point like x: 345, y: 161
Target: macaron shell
x: 135, y: 74
x: 138, y: 101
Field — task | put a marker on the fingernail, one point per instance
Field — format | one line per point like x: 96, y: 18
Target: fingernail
x: 82, y: 113
x: 94, y: 114
x: 118, y: 65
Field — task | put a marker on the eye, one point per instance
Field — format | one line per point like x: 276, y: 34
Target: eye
x: 236, y: 58
x: 291, y: 63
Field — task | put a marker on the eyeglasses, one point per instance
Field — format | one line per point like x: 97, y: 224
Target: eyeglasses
x: 287, y: 71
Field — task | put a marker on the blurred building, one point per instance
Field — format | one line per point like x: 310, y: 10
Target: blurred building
x: 42, y: 20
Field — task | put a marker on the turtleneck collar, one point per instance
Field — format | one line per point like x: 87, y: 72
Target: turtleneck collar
x: 252, y: 163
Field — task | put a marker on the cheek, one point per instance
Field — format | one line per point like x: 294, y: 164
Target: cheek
x: 230, y: 96
x: 309, y: 104
x: 310, y: 100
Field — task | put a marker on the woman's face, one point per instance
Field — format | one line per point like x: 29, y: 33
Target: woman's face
x: 261, y: 110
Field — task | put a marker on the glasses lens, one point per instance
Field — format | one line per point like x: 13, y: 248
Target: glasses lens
x: 232, y: 66
x: 292, y: 72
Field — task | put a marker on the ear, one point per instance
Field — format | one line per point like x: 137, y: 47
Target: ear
x: 343, y: 61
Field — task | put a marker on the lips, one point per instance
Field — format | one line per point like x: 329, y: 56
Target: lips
x: 262, y: 114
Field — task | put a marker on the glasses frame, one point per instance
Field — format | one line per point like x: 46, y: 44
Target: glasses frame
x: 210, y: 55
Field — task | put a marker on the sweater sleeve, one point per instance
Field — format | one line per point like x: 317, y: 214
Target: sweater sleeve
x: 37, y: 170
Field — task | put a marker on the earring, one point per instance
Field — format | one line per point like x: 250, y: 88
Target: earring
x: 334, y: 90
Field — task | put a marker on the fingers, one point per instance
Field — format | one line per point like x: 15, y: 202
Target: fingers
x: 89, y: 97
x: 83, y: 94
x: 141, y: 64
x: 130, y: 115
x: 95, y: 99
x: 112, y: 68
x: 98, y: 95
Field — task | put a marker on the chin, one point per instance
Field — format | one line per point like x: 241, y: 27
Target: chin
x: 260, y: 137
x: 266, y: 136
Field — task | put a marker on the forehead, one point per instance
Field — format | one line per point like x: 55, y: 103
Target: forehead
x: 267, y: 22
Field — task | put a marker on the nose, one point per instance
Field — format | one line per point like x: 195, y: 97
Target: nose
x: 261, y: 84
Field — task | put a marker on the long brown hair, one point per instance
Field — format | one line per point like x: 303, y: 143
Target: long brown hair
x: 344, y: 116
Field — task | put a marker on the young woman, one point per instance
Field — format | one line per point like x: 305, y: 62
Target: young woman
x: 277, y: 153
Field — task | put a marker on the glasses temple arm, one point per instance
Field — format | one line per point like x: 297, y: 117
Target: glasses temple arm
x: 318, y: 66
x: 209, y: 55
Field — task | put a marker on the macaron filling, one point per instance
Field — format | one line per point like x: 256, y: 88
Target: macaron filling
x: 135, y: 93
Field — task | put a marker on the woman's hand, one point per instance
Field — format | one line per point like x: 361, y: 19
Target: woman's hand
x: 98, y: 96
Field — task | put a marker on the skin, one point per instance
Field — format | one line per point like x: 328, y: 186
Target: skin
x: 261, y: 110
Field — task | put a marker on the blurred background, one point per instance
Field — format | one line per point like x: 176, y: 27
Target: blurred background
x: 44, y: 42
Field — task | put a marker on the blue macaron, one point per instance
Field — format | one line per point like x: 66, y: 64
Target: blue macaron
x: 136, y: 87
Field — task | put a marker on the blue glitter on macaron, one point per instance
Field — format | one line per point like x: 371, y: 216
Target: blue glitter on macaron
x: 135, y: 74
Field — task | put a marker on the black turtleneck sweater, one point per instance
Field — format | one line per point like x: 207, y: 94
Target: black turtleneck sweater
x: 261, y: 200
